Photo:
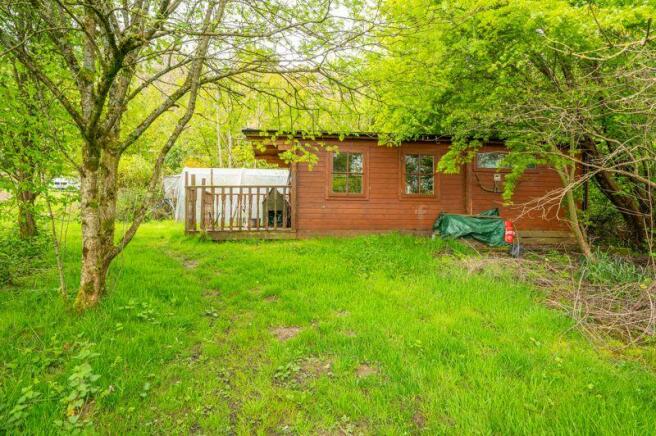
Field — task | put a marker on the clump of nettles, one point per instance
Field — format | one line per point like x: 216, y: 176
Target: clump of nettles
x: 77, y: 394
x: 80, y: 391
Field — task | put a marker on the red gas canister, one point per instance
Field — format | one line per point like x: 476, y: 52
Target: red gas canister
x: 509, y: 235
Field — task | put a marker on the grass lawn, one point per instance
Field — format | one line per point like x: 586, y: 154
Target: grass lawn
x: 379, y: 334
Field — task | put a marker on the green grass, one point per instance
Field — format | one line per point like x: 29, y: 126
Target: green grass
x: 393, y: 337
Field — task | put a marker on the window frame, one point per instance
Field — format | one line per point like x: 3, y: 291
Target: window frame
x: 344, y: 148
x: 478, y: 169
x: 402, y: 173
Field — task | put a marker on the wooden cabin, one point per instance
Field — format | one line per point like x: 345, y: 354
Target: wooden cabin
x: 366, y: 188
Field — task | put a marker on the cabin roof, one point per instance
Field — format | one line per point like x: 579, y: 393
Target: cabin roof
x: 268, y: 150
x: 251, y: 132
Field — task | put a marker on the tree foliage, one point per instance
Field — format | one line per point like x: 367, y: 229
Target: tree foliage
x: 111, y: 54
x: 33, y: 140
x: 557, y: 80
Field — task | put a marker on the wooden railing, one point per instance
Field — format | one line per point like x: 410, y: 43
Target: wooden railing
x: 213, y: 208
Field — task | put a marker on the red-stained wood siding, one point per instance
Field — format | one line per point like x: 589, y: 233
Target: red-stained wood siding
x: 384, y: 207
x: 530, y: 209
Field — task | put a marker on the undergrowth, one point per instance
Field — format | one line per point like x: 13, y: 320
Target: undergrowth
x: 20, y: 257
x: 612, y: 269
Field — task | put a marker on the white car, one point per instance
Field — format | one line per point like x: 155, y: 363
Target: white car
x: 62, y: 183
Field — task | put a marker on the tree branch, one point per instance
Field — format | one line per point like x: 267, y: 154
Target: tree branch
x: 194, y: 82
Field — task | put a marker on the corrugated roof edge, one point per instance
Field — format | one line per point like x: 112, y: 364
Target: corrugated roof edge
x: 352, y: 135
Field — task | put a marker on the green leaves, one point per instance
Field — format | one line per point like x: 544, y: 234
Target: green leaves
x: 81, y: 389
x: 540, y: 75
x: 76, y: 395
x: 15, y: 416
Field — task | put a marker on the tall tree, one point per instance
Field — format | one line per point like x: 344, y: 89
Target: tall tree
x: 114, y: 50
x: 29, y: 130
x: 558, y: 80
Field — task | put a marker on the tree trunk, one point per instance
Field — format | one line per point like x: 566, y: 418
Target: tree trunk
x: 229, y: 149
x: 573, y: 212
x: 219, y: 146
x: 627, y: 206
x: 98, y: 213
x: 26, y: 221
x: 579, y: 234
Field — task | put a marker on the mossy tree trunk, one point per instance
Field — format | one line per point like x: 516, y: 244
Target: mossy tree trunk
x: 629, y: 197
x: 579, y: 234
x: 102, y: 153
x: 98, y: 190
x: 27, y: 227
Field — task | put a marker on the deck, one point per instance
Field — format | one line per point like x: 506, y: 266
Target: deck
x: 233, y: 212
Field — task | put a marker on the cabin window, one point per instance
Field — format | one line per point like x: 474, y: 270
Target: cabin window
x: 494, y: 160
x: 491, y: 160
x: 419, y: 174
x: 348, y: 170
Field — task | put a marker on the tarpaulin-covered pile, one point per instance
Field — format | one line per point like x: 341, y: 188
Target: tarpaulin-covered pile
x: 487, y: 227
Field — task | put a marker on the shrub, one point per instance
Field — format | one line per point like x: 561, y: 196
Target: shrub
x: 20, y: 257
x: 604, y: 223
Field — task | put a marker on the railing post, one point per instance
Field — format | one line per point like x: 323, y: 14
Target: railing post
x: 292, y: 201
x: 231, y: 209
x: 285, y: 193
x: 249, y: 205
x: 222, y: 199
x: 240, y: 206
x: 187, y: 201
x: 258, y: 222
x: 275, y: 208
x: 194, y: 197
x: 203, y: 207
x: 215, y: 207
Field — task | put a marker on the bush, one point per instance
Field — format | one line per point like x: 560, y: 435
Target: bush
x: 19, y: 257
x: 603, y: 221
x: 129, y: 200
x: 134, y: 175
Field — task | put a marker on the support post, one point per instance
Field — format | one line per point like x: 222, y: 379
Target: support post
x: 468, y: 188
x: 203, y: 207
x: 187, y: 200
x: 194, y: 198
x: 293, y: 171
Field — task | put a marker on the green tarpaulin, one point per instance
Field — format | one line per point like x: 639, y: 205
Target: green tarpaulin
x: 486, y: 227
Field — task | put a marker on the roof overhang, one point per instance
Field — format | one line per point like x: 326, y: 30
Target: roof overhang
x: 262, y: 134
x: 269, y: 143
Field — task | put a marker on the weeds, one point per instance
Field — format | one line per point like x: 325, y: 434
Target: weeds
x: 287, y: 373
x: 76, y: 396
x: 609, y: 296
x: 15, y: 417
x: 141, y: 311
x: 613, y: 270
x: 82, y: 388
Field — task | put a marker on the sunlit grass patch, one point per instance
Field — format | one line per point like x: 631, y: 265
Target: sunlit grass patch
x: 375, y: 334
